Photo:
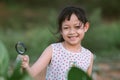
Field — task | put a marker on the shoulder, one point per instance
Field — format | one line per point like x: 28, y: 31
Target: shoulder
x: 88, y: 52
x: 91, y: 59
x: 55, y: 44
x: 52, y: 46
x: 48, y: 49
x: 91, y: 56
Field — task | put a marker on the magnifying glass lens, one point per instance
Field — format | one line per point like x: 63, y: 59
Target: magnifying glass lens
x: 20, y: 48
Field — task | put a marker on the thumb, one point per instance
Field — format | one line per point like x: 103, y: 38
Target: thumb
x: 26, y: 58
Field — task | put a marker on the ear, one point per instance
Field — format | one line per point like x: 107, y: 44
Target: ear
x: 86, y: 26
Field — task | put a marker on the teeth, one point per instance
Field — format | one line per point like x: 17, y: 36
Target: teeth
x: 72, y: 38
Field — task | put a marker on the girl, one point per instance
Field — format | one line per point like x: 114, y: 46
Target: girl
x: 68, y: 52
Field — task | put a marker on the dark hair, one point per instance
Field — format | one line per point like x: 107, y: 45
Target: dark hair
x: 66, y: 14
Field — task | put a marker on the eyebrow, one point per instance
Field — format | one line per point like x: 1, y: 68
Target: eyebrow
x: 65, y: 25
x: 80, y: 23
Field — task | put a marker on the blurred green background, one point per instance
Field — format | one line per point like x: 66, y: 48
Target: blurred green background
x: 34, y: 22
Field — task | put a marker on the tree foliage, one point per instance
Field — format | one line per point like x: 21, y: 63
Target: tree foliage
x: 109, y: 8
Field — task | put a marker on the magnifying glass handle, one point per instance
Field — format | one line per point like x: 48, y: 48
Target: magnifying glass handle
x: 19, y: 63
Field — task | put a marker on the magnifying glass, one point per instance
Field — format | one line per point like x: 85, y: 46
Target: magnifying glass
x: 20, y: 48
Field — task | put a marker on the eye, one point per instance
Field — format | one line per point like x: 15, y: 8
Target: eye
x: 77, y: 27
x: 65, y: 27
x: 80, y: 26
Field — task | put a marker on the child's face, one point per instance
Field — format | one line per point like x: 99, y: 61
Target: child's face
x: 73, y: 30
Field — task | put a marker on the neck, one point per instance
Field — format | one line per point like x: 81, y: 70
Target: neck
x: 72, y: 48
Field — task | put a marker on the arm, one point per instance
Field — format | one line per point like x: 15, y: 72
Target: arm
x: 41, y: 63
x: 89, y: 71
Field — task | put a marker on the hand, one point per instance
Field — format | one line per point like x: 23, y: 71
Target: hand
x: 25, y: 61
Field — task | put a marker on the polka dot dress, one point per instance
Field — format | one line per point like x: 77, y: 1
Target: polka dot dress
x: 63, y: 59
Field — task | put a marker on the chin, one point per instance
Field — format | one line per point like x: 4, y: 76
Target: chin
x: 74, y: 43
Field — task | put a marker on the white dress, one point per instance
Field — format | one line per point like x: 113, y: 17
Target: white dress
x: 63, y: 59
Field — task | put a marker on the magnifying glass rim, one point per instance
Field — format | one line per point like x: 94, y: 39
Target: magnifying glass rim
x: 22, y: 44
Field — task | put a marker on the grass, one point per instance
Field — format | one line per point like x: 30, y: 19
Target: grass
x: 36, y: 40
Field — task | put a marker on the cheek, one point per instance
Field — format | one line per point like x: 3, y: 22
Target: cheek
x: 63, y: 33
x: 82, y: 35
x: 80, y: 31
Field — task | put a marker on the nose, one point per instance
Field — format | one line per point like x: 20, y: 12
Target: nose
x: 72, y: 31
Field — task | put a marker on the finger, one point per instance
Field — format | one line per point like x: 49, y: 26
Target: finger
x: 26, y: 58
x: 24, y: 64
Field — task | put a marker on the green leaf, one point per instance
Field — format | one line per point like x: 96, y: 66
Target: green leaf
x: 4, y: 60
x: 19, y: 73
x: 78, y: 74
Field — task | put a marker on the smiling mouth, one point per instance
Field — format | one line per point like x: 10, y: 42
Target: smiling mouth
x: 72, y: 37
